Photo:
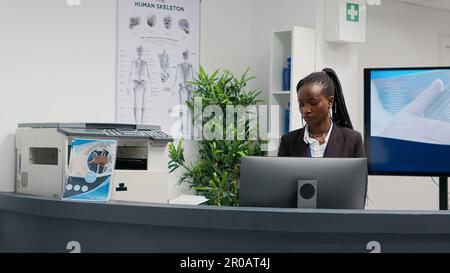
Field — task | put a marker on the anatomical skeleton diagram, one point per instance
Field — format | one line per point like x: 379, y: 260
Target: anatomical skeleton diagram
x: 139, y: 85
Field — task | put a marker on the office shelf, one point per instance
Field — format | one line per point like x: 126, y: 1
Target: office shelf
x: 299, y: 43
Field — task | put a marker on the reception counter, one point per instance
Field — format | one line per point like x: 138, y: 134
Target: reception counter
x: 36, y: 224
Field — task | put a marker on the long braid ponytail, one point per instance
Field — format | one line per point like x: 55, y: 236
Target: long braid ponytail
x: 340, y: 113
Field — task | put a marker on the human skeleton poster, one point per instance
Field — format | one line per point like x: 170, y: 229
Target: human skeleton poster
x: 158, y: 45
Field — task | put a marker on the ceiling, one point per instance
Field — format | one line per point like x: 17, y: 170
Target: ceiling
x: 439, y: 4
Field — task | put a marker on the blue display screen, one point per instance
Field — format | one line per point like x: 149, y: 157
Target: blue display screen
x: 408, y: 121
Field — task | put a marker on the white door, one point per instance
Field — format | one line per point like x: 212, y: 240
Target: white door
x: 444, y: 48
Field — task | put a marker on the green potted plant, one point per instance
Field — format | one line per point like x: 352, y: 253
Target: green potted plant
x: 216, y: 174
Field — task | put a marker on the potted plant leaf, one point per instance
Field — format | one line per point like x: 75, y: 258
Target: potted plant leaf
x: 215, y: 174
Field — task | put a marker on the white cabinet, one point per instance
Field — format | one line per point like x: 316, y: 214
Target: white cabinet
x: 345, y: 21
x: 299, y: 43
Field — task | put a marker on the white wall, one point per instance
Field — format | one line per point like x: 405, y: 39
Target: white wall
x: 225, y: 42
x: 401, y: 35
x: 268, y: 16
x: 57, y: 63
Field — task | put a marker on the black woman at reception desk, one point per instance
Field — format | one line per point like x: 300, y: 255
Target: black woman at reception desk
x: 328, y: 131
x: 321, y: 165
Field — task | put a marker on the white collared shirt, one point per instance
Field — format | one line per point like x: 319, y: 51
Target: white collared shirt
x: 316, y: 149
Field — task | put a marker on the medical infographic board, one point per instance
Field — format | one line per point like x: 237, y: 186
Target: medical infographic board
x: 90, y: 170
x: 158, y: 45
x: 407, y: 120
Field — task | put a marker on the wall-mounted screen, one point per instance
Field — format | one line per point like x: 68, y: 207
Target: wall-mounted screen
x: 407, y: 120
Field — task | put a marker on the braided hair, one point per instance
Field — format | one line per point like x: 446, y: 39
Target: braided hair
x: 328, y: 79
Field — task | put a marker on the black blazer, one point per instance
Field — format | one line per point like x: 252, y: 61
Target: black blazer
x: 343, y: 142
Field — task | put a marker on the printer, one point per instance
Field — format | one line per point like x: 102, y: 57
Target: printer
x: 141, y: 168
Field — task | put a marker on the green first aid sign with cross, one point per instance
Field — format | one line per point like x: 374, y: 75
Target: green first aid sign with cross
x: 352, y: 11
